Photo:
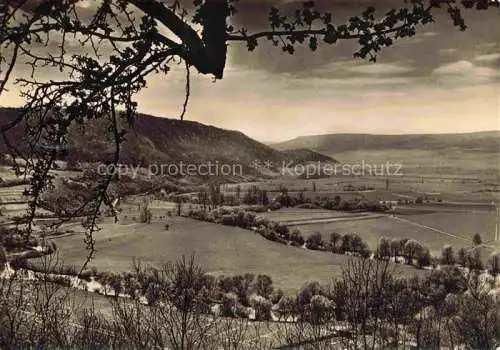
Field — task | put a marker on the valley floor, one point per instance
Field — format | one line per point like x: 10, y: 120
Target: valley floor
x: 219, y: 249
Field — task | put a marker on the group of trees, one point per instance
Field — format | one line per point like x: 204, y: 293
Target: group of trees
x: 355, y: 204
x: 415, y: 253
x: 339, y: 244
x: 368, y: 306
x: 470, y: 258
x: 254, y: 196
x: 411, y: 251
x: 145, y: 213
x: 247, y: 219
x: 13, y: 241
x: 212, y: 197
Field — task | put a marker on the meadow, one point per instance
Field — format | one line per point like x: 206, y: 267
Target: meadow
x: 287, y: 215
x: 448, y: 187
x: 433, y: 229
x: 426, y: 162
x: 219, y: 249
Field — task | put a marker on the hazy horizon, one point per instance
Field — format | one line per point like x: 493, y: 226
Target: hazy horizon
x: 279, y: 140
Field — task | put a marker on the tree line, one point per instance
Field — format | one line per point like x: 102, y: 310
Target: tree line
x: 180, y: 306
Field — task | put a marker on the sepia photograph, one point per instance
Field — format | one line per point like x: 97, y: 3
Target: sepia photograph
x: 250, y: 174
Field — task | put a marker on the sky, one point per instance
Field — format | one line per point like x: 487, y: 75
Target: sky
x: 440, y: 81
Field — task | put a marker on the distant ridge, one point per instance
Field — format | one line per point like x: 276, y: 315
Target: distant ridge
x: 482, y: 141
x: 164, y: 140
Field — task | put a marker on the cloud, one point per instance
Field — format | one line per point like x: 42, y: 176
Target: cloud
x: 448, y: 51
x: 488, y: 58
x: 464, y: 72
x: 381, y: 68
x: 456, y: 68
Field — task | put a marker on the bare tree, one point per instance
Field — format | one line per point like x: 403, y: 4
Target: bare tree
x: 365, y: 283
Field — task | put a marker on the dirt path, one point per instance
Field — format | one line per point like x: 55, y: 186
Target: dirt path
x: 430, y: 228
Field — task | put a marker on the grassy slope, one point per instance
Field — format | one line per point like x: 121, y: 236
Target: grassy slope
x: 164, y: 140
x: 220, y: 249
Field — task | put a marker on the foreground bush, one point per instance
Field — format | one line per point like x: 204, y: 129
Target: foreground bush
x: 375, y: 306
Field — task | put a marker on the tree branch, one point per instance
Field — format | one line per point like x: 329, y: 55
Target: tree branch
x: 195, y: 51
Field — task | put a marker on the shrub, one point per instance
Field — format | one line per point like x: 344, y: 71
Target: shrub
x: 423, y: 258
x: 228, y: 220
x: 274, y: 206
x: 364, y: 251
x: 397, y: 246
x: 462, y: 256
x: 283, y: 231
x: 296, y: 238
x: 229, y: 303
x: 308, y: 291
x: 320, y: 309
x: 334, y: 240
x: 314, y: 241
x: 477, y: 240
x: 276, y: 296
x: 474, y: 261
x: 145, y: 214
x: 494, y: 264
x: 12, y: 241
x: 249, y: 219
x: 263, y: 286
x: 351, y: 242
x: 411, y: 249
x: 447, y: 256
x: 60, y: 280
x: 239, y: 219
x: 257, y: 208
x: 262, y: 308
x: 278, y: 239
x: 261, y: 221
x: 269, y: 234
x: 384, y: 248
x: 225, y: 284
x: 308, y: 206
x: 115, y: 282
x: 241, y: 311
x: 286, y: 307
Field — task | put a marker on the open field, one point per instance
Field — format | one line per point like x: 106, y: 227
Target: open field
x: 427, y: 161
x: 287, y: 215
x: 446, y: 187
x: 13, y: 193
x: 229, y: 250
x: 461, y: 223
x: 433, y: 229
x: 220, y: 249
